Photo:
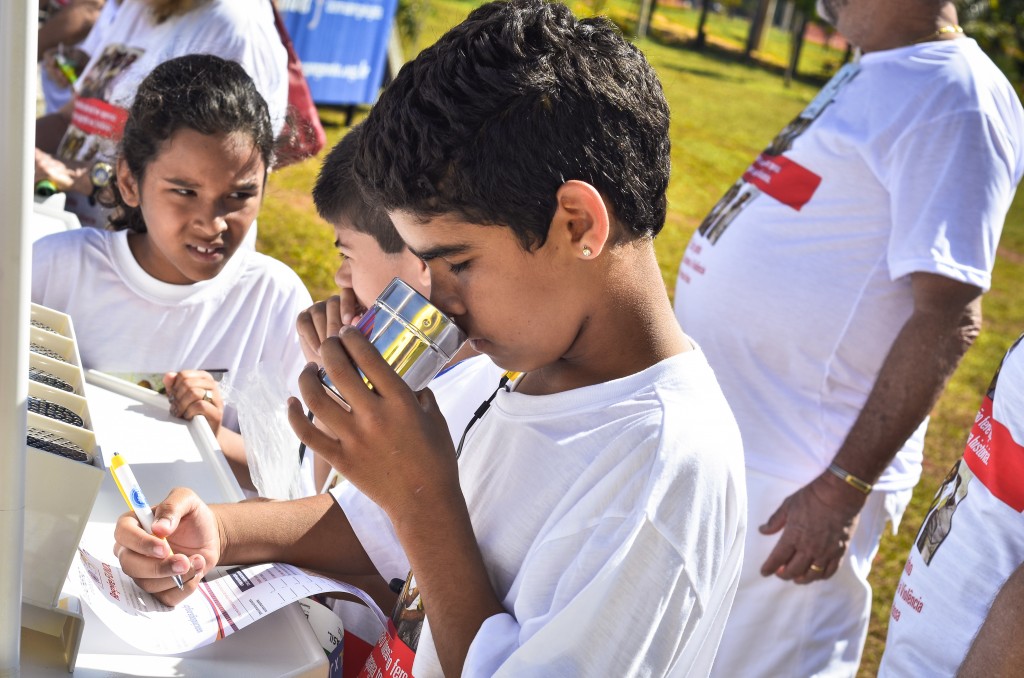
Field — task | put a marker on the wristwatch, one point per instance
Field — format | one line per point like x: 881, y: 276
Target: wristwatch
x: 101, y: 174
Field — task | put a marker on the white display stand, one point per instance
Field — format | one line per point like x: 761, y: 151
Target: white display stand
x: 166, y: 452
x: 59, y: 492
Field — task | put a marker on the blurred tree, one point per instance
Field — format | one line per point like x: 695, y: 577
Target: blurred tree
x: 758, y: 24
x: 702, y: 36
x: 998, y: 26
x: 729, y: 6
x: 409, y: 18
x: 804, y: 13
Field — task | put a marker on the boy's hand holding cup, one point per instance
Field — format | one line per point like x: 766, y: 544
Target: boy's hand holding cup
x: 389, y: 441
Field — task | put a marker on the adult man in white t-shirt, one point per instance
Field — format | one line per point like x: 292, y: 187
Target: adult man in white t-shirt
x: 835, y: 288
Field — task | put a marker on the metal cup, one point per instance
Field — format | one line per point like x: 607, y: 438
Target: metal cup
x: 412, y: 335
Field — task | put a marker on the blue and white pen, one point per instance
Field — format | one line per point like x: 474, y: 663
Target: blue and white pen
x: 132, y: 493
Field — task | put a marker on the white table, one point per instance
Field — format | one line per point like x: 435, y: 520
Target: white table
x: 166, y: 452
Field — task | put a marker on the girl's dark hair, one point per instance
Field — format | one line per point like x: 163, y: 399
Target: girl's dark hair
x: 506, y: 107
x: 201, y: 92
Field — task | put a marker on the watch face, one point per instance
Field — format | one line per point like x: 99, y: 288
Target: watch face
x: 101, y: 174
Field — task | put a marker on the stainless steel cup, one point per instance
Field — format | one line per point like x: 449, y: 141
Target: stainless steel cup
x: 412, y: 335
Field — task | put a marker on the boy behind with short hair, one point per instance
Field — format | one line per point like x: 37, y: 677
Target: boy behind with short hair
x: 594, y: 522
x: 372, y: 252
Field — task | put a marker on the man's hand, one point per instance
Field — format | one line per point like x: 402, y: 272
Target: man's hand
x: 192, y: 532
x: 819, y: 518
x: 817, y: 522
x: 325, y: 319
x: 392, y: 444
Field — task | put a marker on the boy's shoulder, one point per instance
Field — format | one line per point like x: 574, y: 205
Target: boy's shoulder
x: 678, y: 394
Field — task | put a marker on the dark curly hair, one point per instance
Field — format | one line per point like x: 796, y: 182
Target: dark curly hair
x: 506, y: 107
x: 201, y: 92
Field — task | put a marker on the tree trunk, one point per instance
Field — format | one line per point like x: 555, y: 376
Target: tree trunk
x: 643, y: 21
x: 796, y: 45
x: 650, y: 16
x: 787, y: 16
x: 702, y: 35
x: 756, y: 28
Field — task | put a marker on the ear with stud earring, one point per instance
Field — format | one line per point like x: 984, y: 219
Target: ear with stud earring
x: 587, y: 251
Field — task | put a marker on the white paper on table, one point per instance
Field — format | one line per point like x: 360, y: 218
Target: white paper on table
x: 227, y: 600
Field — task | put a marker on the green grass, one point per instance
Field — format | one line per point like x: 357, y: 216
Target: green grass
x: 724, y: 112
x: 731, y: 33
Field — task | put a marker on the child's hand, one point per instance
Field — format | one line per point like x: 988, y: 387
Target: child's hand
x: 325, y: 319
x: 193, y: 392
x: 192, y: 532
x: 393, y: 445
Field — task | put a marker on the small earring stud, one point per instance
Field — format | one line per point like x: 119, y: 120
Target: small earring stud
x: 587, y: 251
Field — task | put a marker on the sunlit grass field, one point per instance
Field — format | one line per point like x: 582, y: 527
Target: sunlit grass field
x: 724, y: 112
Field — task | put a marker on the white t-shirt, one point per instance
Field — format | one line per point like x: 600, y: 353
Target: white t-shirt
x: 459, y: 391
x: 971, y: 541
x: 797, y: 283
x: 128, y: 322
x: 123, y: 52
x: 611, y: 521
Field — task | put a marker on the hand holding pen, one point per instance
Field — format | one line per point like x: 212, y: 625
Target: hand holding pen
x: 183, y: 520
x: 136, y: 500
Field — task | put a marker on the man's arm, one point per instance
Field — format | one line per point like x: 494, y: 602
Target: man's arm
x: 819, y: 518
x: 998, y: 649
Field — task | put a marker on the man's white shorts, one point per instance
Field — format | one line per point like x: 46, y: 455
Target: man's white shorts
x: 784, y: 630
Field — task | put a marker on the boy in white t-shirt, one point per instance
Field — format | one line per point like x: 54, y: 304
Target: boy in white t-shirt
x: 593, y: 524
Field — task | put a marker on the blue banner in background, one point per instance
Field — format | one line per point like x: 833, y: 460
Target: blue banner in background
x: 342, y: 45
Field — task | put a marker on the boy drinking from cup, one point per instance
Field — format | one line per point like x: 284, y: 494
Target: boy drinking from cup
x: 593, y: 524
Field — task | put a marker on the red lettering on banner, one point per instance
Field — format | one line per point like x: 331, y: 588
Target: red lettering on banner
x: 995, y: 458
x: 390, y: 657
x: 788, y: 182
x: 94, y: 116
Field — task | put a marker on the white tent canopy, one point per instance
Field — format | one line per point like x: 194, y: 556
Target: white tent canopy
x: 18, y: 37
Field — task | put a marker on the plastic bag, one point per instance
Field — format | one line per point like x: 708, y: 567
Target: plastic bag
x: 271, y: 447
